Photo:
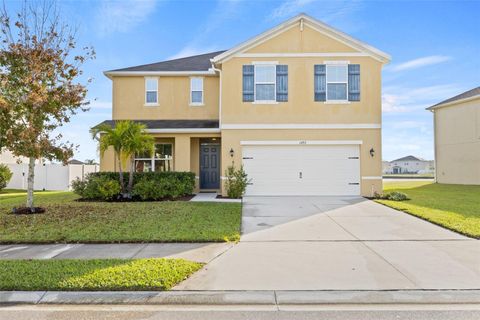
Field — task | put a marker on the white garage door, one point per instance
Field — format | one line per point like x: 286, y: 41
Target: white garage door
x: 302, y: 169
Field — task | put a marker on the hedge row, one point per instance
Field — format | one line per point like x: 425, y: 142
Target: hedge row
x: 146, y: 185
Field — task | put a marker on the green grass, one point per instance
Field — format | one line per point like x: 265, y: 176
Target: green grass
x: 94, y: 275
x: 456, y: 207
x: 67, y: 220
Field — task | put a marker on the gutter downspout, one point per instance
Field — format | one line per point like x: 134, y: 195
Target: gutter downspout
x: 219, y: 94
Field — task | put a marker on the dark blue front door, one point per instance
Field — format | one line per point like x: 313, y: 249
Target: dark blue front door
x: 209, y: 166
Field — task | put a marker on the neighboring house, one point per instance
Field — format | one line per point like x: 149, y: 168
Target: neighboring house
x: 457, y: 138
x: 408, y: 164
x: 299, y: 106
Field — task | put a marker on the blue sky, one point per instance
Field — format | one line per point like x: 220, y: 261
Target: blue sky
x: 434, y: 45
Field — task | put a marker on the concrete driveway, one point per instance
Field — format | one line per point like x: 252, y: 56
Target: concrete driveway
x: 339, y: 243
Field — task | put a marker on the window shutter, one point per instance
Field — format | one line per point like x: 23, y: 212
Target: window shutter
x: 248, y: 83
x: 282, y: 83
x: 320, y: 82
x: 353, y: 82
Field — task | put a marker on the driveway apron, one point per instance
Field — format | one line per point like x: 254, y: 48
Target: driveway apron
x: 338, y: 243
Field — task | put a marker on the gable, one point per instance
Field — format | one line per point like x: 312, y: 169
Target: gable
x: 302, y: 35
x: 300, y: 40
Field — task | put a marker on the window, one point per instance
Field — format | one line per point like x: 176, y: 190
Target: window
x: 151, y: 91
x: 337, y: 82
x: 196, y: 91
x: 161, y: 160
x: 265, y: 82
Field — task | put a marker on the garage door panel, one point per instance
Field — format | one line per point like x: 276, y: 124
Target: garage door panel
x: 302, y: 170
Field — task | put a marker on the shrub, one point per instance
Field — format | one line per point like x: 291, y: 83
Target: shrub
x: 146, y: 185
x: 236, y: 182
x: 396, y: 196
x: 393, y: 196
x: 148, y: 190
x: 97, y: 188
x: 5, y: 176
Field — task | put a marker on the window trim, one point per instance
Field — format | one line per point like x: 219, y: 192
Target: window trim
x: 272, y: 64
x: 336, y: 64
x: 152, y: 159
x: 151, y: 104
x: 197, y: 104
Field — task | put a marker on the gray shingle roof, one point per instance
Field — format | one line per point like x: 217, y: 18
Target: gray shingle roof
x: 172, y: 124
x: 467, y: 94
x: 409, y: 158
x: 194, y: 63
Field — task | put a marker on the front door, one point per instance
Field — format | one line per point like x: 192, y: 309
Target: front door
x: 209, y: 166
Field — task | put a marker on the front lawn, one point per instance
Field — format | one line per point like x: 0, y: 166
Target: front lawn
x: 456, y: 207
x: 67, y: 220
x: 94, y: 275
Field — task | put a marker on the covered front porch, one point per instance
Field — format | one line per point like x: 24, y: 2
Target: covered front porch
x: 180, y: 145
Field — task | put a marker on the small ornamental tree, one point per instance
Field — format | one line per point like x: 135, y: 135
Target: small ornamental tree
x: 39, y: 86
x: 126, y: 138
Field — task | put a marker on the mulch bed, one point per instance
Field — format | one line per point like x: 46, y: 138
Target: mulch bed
x: 222, y: 197
x: 183, y: 198
x: 25, y: 210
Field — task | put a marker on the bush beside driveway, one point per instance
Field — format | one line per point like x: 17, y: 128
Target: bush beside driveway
x: 455, y: 207
x: 71, y: 221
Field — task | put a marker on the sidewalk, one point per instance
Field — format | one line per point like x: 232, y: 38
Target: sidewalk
x: 198, y: 252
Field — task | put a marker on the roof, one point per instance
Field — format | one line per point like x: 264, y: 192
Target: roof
x: 201, y: 64
x: 465, y: 96
x: 409, y: 158
x: 194, y: 63
x: 75, y: 161
x: 313, y: 23
x: 172, y: 125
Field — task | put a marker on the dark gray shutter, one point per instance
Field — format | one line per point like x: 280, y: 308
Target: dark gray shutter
x: 282, y: 83
x: 353, y: 82
x: 248, y: 83
x: 320, y: 82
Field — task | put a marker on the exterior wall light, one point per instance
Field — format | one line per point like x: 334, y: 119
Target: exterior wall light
x: 231, y: 152
x: 372, y: 152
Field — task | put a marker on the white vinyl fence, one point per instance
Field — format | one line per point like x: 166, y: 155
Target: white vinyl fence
x: 49, y: 176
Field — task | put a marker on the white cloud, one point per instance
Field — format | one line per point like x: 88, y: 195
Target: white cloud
x: 289, y: 8
x: 121, y: 16
x: 192, y: 51
x: 328, y: 11
x: 226, y: 10
x: 407, y: 99
x: 100, y: 105
x: 419, y: 63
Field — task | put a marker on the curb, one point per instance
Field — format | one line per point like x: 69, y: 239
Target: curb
x: 267, y: 297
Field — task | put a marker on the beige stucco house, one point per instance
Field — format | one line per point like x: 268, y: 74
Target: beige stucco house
x: 299, y: 106
x: 457, y: 138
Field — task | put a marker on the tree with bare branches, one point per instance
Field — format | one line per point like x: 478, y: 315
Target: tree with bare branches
x: 40, y: 90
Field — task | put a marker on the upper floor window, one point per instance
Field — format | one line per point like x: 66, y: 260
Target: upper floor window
x: 151, y: 91
x: 265, y: 82
x: 196, y: 91
x: 337, y: 82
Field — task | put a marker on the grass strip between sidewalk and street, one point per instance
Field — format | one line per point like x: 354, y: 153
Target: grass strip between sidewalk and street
x: 95, y: 275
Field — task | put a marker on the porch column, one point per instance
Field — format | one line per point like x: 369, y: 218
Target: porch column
x: 182, y: 153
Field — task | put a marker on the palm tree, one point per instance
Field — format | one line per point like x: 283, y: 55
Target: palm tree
x: 136, y: 141
x: 114, y: 137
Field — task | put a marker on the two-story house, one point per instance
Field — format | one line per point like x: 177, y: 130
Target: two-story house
x: 299, y: 106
